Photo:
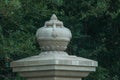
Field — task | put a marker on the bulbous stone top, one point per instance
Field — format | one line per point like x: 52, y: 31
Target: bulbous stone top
x: 53, y: 36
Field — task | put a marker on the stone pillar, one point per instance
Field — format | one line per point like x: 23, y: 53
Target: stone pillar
x: 53, y: 63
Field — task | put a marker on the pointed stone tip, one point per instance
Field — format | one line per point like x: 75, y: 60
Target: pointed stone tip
x: 53, y: 17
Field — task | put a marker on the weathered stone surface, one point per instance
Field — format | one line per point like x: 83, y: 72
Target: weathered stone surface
x: 54, y: 58
x: 53, y: 63
x: 53, y: 36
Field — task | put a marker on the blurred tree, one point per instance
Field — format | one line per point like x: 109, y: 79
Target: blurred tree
x: 94, y: 24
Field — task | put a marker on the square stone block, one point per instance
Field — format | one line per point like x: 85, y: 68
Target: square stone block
x: 54, y: 66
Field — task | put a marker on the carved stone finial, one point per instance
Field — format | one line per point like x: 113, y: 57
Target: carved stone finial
x: 53, y: 36
x: 54, y: 21
x: 53, y: 17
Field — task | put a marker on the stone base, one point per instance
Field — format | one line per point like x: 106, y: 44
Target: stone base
x: 54, y: 65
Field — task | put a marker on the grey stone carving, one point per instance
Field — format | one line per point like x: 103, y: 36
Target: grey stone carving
x: 53, y: 36
x: 54, y: 63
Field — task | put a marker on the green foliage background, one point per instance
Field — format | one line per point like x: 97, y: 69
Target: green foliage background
x: 95, y: 25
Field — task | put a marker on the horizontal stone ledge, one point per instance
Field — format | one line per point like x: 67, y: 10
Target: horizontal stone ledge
x: 52, y: 67
x: 54, y: 78
x: 40, y: 62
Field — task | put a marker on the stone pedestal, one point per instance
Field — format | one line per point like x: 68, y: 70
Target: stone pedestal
x: 53, y: 63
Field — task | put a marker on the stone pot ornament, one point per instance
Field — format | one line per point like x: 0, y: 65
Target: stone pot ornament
x: 53, y: 35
